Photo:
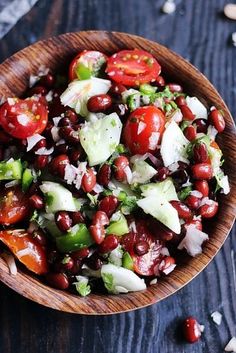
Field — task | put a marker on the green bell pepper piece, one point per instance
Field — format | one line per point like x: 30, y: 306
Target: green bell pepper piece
x: 78, y: 237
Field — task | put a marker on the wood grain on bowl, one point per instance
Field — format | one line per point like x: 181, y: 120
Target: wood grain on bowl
x: 54, y: 53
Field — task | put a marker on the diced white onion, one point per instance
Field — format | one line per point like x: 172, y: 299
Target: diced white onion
x: 43, y: 151
x: 23, y: 252
x: 141, y: 127
x: 49, y: 96
x: 193, y: 240
x: 224, y: 183
x: 23, y: 119
x: 153, y: 140
x: 196, y: 193
x: 169, y: 269
x: 33, y: 140
x: 177, y: 116
x: 212, y: 132
x: 216, y: 317
x: 128, y: 174
x: 153, y: 281
x: 173, y: 167
x: 164, y: 251
x: 196, y: 107
x: 55, y: 133
x: 206, y: 201
x: 70, y: 173
x: 98, y: 189
x: 12, y: 183
x: 10, y: 261
x: 56, y: 120
x: 231, y: 346
x: 132, y: 227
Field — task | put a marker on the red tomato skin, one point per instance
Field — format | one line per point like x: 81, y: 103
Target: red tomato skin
x: 153, y: 118
x: 24, y: 118
x: 17, y: 240
x: 14, y: 206
x: 132, y: 67
x: 74, y: 62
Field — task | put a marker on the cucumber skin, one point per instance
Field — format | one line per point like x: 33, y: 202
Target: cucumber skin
x: 119, y: 227
x: 15, y: 167
x: 78, y: 237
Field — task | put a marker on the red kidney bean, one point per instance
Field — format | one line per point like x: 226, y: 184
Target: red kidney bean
x: 40, y: 237
x: 88, y: 180
x: 52, y: 256
x: 104, y: 175
x: 61, y: 149
x: 180, y: 176
x: 63, y: 221
x: 190, y: 133
x: 40, y: 144
x: 40, y: 162
x: 58, y: 164
x: 201, y: 125
x: 37, y: 90
x: 76, y: 268
x: 183, y: 210
x: 116, y: 89
x: 67, y: 263
x: 175, y: 87
x: 120, y: 163
x: 192, y: 202
x: 109, y: 243
x: 74, y: 156
x: 160, y: 81
x: 160, y: 231
x: 99, y: 103
x: 217, y: 119
x: 209, y: 211
x: 166, y: 262
x: 180, y: 100
x: 94, y: 262
x: 162, y: 174
x: 200, y: 153
x: 202, y: 186
x: 5, y: 138
x: 36, y: 202
x: 57, y: 280
x: 69, y: 134
x: 100, y: 218
x: 64, y: 122
x: 119, y: 108
x: 47, y: 80
x: 97, y: 232
x: 72, y: 116
x: 202, y: 171
x: 141, y: 247
x: 80, y: 254
x: 47, y: 130
x: 191, y: 330
x: 108, y: 205
x: 187, y: 113
x: 77, y: 217
x: 197, y: 223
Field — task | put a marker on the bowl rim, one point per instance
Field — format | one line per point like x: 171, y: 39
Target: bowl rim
x: 98, y: 304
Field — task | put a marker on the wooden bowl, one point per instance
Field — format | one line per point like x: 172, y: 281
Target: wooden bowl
x: 54, y: 53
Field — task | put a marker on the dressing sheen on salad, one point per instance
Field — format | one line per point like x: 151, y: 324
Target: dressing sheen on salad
x: 108, y: 174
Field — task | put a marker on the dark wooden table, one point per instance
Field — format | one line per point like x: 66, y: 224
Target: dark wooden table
x: 200, y: 33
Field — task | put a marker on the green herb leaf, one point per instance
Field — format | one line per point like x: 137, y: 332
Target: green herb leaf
x: 82, y: 286
x: 182, y: 194
x: 108, y: 281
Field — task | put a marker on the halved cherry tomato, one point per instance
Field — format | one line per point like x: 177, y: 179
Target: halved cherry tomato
x: 133, y: 67
x: 143, y: 129
x: 14, y: 206
x: 26, y: 249
x: 147, y: 264
x: 22, y: 118
x: 86, y: 64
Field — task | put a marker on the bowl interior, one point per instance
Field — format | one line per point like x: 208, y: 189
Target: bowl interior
x: 54, y: 53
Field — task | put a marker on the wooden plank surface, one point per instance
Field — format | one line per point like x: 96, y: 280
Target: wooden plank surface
x: 200, y: 33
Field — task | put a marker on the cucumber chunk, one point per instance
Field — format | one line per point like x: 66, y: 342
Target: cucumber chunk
x: 100, y: 138
x: 57, y: 197
x: 27, y: 179
x: 118, y: 227
x: 11, y: 170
